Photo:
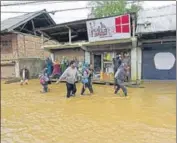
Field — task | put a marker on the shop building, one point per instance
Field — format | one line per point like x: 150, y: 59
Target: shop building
x: 96, y: 41
x: 70, y: 36
x: 20, y: 43
x: 156, y: 32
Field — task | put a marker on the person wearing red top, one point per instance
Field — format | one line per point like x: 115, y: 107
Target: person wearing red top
x: 56, y: 69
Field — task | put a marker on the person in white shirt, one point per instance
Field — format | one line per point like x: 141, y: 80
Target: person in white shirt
x: 70, y: 74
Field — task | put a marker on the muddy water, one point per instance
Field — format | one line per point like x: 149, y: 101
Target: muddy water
x: 146, y: 116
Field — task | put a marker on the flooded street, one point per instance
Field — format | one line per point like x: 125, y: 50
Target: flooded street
x: 148, y: 115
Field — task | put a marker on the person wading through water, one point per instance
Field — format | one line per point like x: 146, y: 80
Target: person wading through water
x: 70, y: 74
x: 89, y: 83
x: 117, y: 62
x: 120, y: 78
x: 24, y: 74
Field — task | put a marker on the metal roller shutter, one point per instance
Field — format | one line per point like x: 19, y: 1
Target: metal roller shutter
x: 159, y: 61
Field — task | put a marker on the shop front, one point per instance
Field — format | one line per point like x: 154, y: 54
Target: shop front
x: 108, y: 38
x: 102, y: 57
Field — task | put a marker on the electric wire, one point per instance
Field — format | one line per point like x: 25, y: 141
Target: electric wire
x: 32, y: 3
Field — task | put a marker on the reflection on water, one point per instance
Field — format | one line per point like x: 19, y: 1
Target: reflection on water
x: 148, y: 115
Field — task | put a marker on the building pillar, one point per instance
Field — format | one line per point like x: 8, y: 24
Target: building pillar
x: 87, y: 57
x: 52, y: 57
x: 17, y: 69
x: 136, y: 61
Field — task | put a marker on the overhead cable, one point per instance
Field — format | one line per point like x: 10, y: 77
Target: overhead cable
x: 32, y: 2
x: 52, y: 12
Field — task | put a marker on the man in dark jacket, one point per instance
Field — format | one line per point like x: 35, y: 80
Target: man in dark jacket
x: 117, y: 62
x: 120, y: 77
x: 24, y: 74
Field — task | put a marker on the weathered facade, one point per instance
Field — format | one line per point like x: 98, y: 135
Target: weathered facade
x: 73, y: 37
x: 153, y: 37
x: 20, y: 46
x: 19, y: 43
x: 70, y: 54
x: 156, y: 31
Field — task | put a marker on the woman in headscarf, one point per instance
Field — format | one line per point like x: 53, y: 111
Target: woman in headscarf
x: 49, y: 65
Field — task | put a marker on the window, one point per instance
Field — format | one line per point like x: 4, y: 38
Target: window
x: 122, y: 24
x: 6, y: 44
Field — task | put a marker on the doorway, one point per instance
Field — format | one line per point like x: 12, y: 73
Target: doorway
x: 97, y: 63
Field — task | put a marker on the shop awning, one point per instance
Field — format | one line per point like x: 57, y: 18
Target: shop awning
x: 85, y: 44
x: 129, y: 40
x: 62, y: 46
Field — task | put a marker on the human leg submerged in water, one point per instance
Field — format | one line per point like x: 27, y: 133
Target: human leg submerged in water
x: 119, y: 86
x: 74, y: 90
x: 83, y: 89
x: 71, y: 89
x: 45, y: 88
x: 89, y: 86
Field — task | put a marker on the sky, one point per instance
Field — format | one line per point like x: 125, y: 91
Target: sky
x: 66, y: 16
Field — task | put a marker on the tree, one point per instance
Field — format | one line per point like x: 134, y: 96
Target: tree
x: 109, y: 8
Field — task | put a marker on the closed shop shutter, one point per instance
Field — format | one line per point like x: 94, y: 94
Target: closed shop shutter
x: 159, y: 61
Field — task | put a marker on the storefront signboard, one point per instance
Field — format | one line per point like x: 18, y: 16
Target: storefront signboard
x: 111, y: 28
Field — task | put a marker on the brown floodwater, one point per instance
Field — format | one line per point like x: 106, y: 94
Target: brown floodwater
x: 148, y: 115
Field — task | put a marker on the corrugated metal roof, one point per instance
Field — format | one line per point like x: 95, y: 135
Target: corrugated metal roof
x: 14, y: 22
x: 157, y: 19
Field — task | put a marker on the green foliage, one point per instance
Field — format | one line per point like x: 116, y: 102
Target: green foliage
x: 109, y: 8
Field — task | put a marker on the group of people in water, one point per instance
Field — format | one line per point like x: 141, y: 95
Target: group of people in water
x: 83, y: 72
x: 72, y: 74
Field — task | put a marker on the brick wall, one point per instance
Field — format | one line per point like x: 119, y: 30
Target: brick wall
x: 30, y: 46
x: 23, y: 46
x: 9, y: 46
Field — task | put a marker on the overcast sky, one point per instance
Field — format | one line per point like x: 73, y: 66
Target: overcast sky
x: 66, y: 16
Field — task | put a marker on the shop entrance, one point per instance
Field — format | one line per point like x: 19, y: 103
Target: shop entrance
x: 97, y: 63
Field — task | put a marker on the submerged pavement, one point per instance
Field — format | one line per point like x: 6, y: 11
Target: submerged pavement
x: 148, y: 115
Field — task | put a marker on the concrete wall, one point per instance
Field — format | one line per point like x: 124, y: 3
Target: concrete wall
x: 69, y: 54
x: 34, y: 65
x: 136, y: 61
x: 8, y: 71
x: 87, y: 57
